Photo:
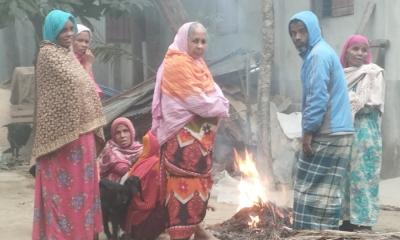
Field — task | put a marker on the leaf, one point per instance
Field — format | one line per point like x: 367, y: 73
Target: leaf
x: 29, y: 6
x: 15, y: 11
x: 108, y: 52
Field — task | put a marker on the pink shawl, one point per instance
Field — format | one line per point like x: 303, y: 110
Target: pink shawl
x: 79, y: 57
x: 170, y: 113
x: 354, y: 39
x: 114, y: 160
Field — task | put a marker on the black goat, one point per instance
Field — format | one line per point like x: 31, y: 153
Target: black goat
x: 18, y: 135
x: 115, y: 199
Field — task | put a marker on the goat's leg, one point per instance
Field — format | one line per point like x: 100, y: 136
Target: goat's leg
x: 16, y: 153
x: 105, y: 226
x: 115, y: 229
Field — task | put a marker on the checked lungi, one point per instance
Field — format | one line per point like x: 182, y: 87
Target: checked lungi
x: 318, y: 187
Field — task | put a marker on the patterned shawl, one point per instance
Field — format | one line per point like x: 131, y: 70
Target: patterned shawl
x: 184, y: 88
x: 114, y: 160
x: 366, y: 87
x: 66, y: 101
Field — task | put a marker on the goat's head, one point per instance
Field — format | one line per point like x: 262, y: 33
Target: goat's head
x: 133, y: 186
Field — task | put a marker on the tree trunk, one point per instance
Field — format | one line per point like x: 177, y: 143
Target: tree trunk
x: 264, y: 158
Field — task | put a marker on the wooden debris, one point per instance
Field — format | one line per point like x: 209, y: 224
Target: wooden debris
x: 389, y: 208
x: 273, y: 223
x: 339, y: 235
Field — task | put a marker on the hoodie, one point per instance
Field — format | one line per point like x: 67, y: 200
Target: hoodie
x: 325, y: 104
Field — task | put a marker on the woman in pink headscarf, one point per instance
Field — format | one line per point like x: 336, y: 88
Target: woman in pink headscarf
x: 187, y: 106
x: 367, y: 94
x: 120, y: 152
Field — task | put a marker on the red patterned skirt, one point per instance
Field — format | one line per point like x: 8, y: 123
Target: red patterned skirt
x: 67, y: 200
x: 186, y: 164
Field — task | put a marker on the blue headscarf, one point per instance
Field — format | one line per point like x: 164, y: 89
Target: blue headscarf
x: 54, y: 23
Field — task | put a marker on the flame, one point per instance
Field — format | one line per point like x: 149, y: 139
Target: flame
x: 252, y: 189
x: 254, y: 220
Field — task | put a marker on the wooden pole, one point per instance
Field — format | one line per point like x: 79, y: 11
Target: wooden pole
x: 264, y: 158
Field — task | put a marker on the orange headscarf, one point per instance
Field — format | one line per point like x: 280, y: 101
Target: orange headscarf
x: 185, y: 76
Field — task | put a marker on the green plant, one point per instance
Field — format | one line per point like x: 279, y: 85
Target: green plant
x: 36, y: 10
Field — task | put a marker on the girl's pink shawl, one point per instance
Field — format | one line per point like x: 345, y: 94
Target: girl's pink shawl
x: 114, y: 160
x: 83, y: 28
x: 171, y: 114
x: 354, y: 39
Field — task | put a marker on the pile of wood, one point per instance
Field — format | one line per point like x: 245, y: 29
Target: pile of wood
x: 339, y: 235
x: 274, y: 223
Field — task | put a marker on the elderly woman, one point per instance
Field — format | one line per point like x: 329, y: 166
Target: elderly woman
x: 68, y: 123
x: 187, y: 106
x: 120, y: 152
x: 366, y: 92
x: 82, y: 52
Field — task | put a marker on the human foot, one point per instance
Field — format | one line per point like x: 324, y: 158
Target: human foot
x: 202, y: 234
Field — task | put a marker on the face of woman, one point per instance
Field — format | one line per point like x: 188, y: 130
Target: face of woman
x: 122, y: 136
x: 66, y: 35
x: 356, y: 54
x: 197, y: 43
x: 81, y: 42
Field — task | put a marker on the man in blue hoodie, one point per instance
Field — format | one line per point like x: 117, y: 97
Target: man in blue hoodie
x: 327, y: 128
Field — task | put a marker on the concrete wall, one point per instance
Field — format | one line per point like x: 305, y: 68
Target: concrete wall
x: 382, y: 25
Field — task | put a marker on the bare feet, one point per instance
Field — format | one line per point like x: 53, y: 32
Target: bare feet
x: 163, y: 236
x: 202, y: 234
x: 211, y: 208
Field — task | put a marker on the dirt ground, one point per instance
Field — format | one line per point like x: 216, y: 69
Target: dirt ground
x: 16, y: 204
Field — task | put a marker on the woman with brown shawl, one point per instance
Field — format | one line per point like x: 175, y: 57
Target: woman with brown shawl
x: 68, y: 123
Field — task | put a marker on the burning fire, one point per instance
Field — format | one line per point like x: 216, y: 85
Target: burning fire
x: 254, y: 220
x: 252, y: 189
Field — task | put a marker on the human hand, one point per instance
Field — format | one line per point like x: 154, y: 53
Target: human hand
x: 307, y: 149
x: 88, y: 58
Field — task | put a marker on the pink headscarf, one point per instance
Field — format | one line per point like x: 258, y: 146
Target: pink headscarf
x: 171, y: 114
x: 180, y: 43
x: 354, y: 39
x: 114, y: 160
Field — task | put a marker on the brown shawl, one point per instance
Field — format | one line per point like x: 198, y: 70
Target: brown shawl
x: 66, y: 101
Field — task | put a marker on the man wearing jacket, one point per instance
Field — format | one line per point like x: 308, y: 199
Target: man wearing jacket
x: 327, y: 128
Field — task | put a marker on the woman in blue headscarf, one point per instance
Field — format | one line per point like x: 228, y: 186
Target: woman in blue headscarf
x: 68, y: 124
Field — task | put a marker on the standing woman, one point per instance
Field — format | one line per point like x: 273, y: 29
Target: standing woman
x: 68, y: 124
x: 81, y: 44
x: 187, y: 106
x: 367, y: 94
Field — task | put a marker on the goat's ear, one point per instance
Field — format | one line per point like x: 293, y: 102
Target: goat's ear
x: 133, y: 180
